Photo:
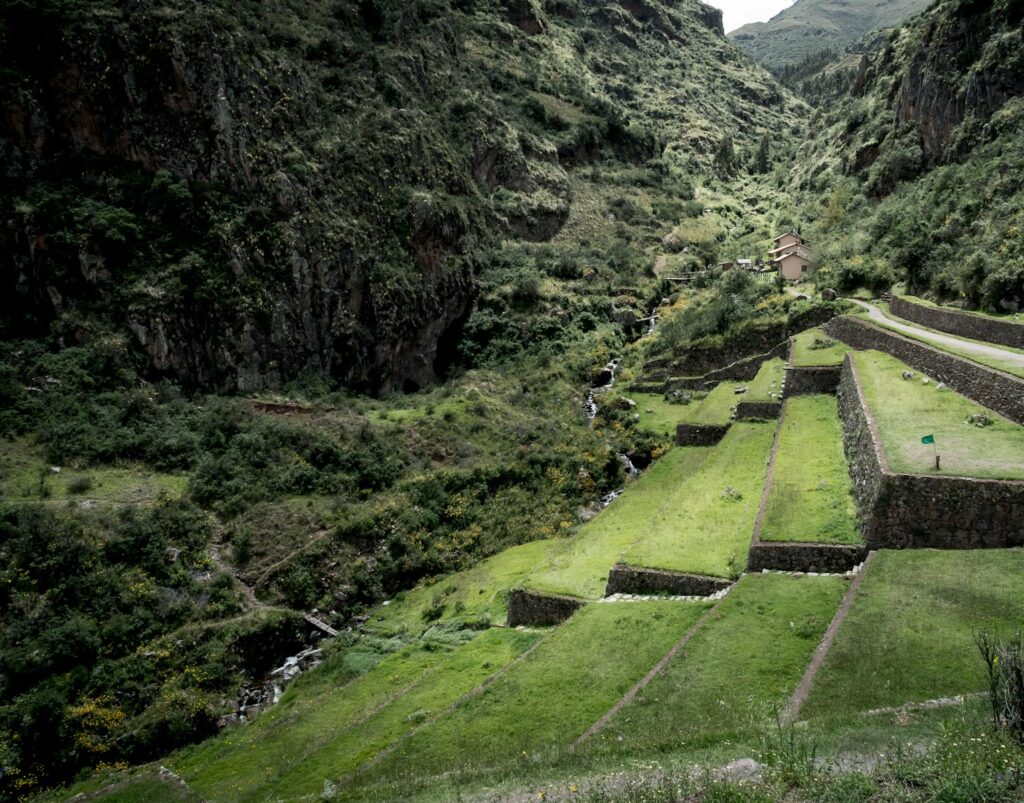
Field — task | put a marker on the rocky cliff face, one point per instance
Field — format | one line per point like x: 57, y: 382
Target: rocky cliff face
x: 249, y: 192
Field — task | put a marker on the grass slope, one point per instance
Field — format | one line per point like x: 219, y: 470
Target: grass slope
x: 582, y: 569
x: 738, y: 669
x: 811, y: 497
x: 814, y: 348
x: 910, y: 634
x: 474, y: 595
x: 546, y: 702
x: 660, y: 416
x: 707, y: 527
x: 344, y: 724
x: 908, y: 410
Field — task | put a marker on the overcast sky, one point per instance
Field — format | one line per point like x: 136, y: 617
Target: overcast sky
x: 740, y: 12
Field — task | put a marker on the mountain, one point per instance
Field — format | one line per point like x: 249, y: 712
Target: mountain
x: 809, y: 27
x: 252, y: 192
x: 916, y: 166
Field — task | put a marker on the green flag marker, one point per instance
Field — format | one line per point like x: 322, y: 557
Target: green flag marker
x: 928, y: 439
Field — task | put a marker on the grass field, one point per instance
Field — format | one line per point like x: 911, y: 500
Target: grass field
x: 996, y: 362
x: 478, y: 594
x: 707, y: 526
x: 582, y: 569
x: 25, y: 476
x: 811, y: 498
x: 660, y: 416
x: 908, y: 410
x: 548, y: 700
x: 736, y: 672
x: 910, y: 633
x: 814, y: 348
x: 328, y: 730
x: 716, y: 408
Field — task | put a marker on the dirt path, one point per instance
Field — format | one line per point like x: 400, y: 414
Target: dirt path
x: 943, y: 340
x: 803, y: 689
x: 265, y: 573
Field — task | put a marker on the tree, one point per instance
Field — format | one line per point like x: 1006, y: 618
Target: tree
x: 725, y: 157
x: 763, y: 156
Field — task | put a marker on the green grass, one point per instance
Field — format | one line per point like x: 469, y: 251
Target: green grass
x: 25, y: 476
x: 996, y: 362
x: 737, y: 670
x: 908, y: 410
x: 476, y: 594
x: 910, y: 634
x: 328, y: 730
x: 716, y: 407
x: 660, y: 416
x: 707, y: 526
x: 814, y: 348
x: 768, y: 381
x: 811, y: 498
x: 582, y: 569
x: 546, y: 702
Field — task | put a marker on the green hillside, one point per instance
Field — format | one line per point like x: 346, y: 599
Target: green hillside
x: 810, y: 27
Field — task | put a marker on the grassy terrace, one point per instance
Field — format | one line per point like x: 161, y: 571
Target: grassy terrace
x: 706, y: 528
x: 660, y: 416
x: 736, y: 672
x: 811, y: 498
x: 910, y: 634
x: 329, y: 729
x: 548, y: 700
x: 814, y: 348
x: 908, y: 410
x: 716, y: 407
x: 582, y: 568
x: 996, y: 362
x: 478, y: 594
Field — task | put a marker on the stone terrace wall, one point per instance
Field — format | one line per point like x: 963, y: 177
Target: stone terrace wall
x: 863, y: 454
x: 740, y: 371
x: 1001, y: 392
x: 795, y: 557
x: 920, y: 511
x: 700, y: 434
x: 533, y: 608
x: 758, y: 410
x: 625, y: 579
x: 809, y: 381
x: 976, y: 327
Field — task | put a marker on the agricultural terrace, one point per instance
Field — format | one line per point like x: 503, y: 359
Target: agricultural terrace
x: 736, y: 672
x: 1008, y: 317
x: 707, y: 526
x: 476, y: 596
x: 991, y: 360
x: 547, y: 701
x: 910, y: 634
x: 813, y: 348
x: 811, y: 498
x: 331, y: 728
x: 972, y: 441
x: 582, y: 569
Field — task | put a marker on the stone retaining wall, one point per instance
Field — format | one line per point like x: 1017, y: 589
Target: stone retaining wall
x: 917, y: 511
x: 758, y: 411
x: 809, y: 381
x: 533, y: 608
x: 700, y: 434
x: 976, y: 327
x: 990, y: 388
x: 623, y: 579
x: 740, y: 371
x: 799, y: 557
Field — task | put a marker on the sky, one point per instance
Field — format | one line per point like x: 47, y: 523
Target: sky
x: 740, y: 12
